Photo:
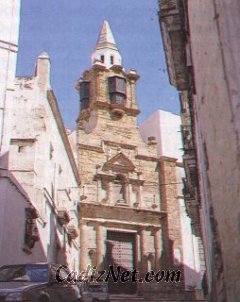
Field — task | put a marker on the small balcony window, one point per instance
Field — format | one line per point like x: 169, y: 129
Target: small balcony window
x: 117, y: 90
x: 84, y: 94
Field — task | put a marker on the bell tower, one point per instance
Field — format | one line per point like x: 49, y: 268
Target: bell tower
x: 106, y: 88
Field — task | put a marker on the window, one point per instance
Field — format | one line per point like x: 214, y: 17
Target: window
x: 102, y: 58
x: 117, y: 90
x: 111, y: 60
x: 84, y: 94
x: 20, y: 149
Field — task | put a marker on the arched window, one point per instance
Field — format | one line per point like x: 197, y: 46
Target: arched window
x: 111, y: 60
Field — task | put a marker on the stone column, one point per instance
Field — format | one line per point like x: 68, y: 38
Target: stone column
x: 158, y: 247
x: 139, y: 196
x: 98, y: 197
x: 126, y: 187
x: 143, y: 249
x: 100, y: 244
x: 110, y: 193
x: 83, y: 246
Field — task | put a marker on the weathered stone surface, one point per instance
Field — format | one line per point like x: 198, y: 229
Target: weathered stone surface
x: 42, y: 168
x: 126, y: 189
x: 213, y: 99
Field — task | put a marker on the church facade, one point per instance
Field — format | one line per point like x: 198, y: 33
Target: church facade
x: 129, y: 211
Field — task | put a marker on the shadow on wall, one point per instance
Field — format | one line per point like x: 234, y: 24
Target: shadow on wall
x: 24, y: 237
x: 56, y: 248
x: 171, y: 289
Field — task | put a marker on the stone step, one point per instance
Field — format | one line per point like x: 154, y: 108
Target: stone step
x: 126, y: 298
x: 181, y: 300
x: 135, y: 298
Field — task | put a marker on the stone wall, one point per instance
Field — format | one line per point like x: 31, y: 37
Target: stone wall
x: 215, y: 43
x: 42, y: 163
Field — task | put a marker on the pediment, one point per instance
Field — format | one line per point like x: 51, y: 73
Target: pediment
x: 119, y: 163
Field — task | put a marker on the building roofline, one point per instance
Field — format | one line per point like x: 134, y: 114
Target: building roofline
x: 57, y: 115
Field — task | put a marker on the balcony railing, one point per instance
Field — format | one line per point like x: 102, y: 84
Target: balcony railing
x: 63, y: 216
x: 187, y: 138
x: 72, y: 232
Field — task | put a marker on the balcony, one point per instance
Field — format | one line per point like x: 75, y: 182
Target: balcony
x: 72, y: 232
x: 192, y: 206
x: 63, y: 216
x: 174, y: 41
x: 187, y: 138
x: 190, y: 165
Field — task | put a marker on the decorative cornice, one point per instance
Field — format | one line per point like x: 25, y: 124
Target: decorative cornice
x: 119, y: 163
x: 134, y: 181
x: 122, y: 145
x: 90, y: 148
x: 15, y: 141
x: 178, y: 164
x: 132, y: 111
x: 167, y: 158
x: 146, y: 157
x: 129, y: 111
x: 97, y: 66
x: 101, y: 207
x: 104, y: 176
x: 116, y: 68
x: 132, y: 75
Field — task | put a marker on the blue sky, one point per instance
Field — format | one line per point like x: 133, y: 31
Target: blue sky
x: 68, y: 31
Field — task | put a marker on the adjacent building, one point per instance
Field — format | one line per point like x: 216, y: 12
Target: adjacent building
x: 201, y: 43
x: 166, y: 127
x: 39, y: 180
x: 9, y: 22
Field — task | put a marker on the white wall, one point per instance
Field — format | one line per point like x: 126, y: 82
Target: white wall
x: 9, y: 24
x: 40, y: 163
x: 165, y: 126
